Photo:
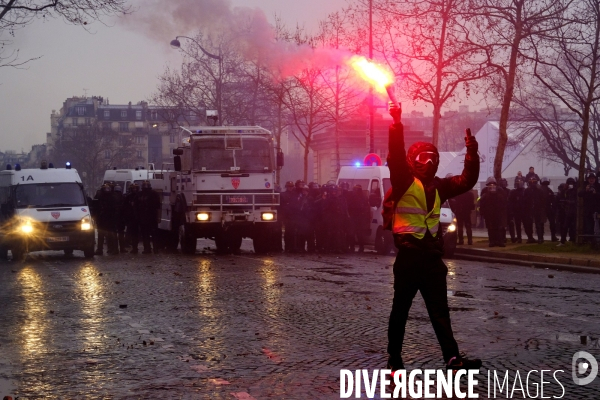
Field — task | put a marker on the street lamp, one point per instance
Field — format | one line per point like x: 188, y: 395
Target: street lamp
x: 176, y: 44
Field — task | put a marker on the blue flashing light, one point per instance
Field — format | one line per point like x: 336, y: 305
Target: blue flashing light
x: 17, y: 167
x: 68, y: 165
x: 357, y: 164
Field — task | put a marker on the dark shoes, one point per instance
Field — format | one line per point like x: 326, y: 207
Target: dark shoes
x: 460, y: 363
x: 531, y: 241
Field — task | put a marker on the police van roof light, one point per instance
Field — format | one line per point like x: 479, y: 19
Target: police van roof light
x: 17, y: 167
x: 50, y: 165
x: 68, y: 165
x: 44, y: 164
x: 8, y: 167
x: 357, y: 164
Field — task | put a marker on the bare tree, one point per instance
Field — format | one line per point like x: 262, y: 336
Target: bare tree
x: 335, y: 32
x: 427, y: 43
x: 17, y: 14
x: 92, y: 150
x: 506, y: 31
x: 308, y: 108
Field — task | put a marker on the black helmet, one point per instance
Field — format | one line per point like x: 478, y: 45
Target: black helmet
x: 300, y: 184
x: 118, y: 189
x: 345, y: 186
x: 289, y: 184
x: 570, y: 181
x: 490, y: 181
x: 545, y: 181
x: 503, y: 183
x: 146, y: 185
x: 106, y: 188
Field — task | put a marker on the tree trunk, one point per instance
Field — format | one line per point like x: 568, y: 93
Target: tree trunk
x: 506, y: 101
x: 436, y: 123
x: 437, y: 101
x: 306, y: 150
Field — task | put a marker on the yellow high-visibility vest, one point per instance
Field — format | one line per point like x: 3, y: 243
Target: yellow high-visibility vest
x: 411, y: 215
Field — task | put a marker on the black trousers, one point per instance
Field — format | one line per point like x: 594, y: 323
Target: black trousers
x: 419, y: 271
x: 464, y: 221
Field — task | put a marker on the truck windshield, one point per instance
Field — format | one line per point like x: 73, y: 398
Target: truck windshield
x: 49, y: 195
x: 248, y: 154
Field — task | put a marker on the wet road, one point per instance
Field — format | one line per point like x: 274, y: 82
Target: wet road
x: 246, y: 326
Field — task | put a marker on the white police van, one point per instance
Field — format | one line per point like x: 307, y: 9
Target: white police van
x: 44, y: 209
x: 375, y: 182
x: 127, y: 177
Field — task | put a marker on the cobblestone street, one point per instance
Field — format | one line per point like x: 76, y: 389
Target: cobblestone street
x: 245, y: 326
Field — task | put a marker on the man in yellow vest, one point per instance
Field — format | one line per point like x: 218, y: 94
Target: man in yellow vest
x: 412, y: 211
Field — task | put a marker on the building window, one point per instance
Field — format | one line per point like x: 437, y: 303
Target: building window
x: 75, y: 122
x: 106, y: 114
x: 80, y: 110
x: 139, y: 140
x: 154, y: 115
x: 171, y: 138
x: 192, y: 116
x: 139, y: 154
x: 138, y: 114
x: 124, y: 114
x: 107, y: 154
x: 123, y: 126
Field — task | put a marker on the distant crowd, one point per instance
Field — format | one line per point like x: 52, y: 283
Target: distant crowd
x: 528, y: 206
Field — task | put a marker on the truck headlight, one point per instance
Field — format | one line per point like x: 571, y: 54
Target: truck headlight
x: 86, y: 224
x: 267, y: 216
x: 26, y: 227
x: 451, y: 228
x: 203, y: 216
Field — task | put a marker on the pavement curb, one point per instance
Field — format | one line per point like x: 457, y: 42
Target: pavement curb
x: 557, y: 263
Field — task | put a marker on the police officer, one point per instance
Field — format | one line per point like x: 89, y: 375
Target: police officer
x: 131, y: 220
x: 287, y: 200
x: 461, y: 206
x: 535, y: 211
x: 105, y: 217
x: 335, y: 210
x: 550, y: 207
x: 591, y: 197
x: 567, y: 200
x: 314, y: 193
x: 147, y: 205
x: 493, y: 209
x: 120, y: 219
x: 412, y: 209
x: 360, y: 218
x: 516, y: 209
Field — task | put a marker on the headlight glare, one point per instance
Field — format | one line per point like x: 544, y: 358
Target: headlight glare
x: 203, y: 216
x: 451, y: 228
x: 86, y: 224
x: 26, y: 228
x: 267, y: 216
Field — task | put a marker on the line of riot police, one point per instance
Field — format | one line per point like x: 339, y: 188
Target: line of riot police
x: 531, y: 207
x: 324, y: 219
x: 122, y: 218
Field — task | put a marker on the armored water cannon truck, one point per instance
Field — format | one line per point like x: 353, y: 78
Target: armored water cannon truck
x: 222, y: 187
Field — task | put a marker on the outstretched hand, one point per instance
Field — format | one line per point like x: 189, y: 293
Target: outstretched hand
x: 471, y: 143
x: 396, y: 113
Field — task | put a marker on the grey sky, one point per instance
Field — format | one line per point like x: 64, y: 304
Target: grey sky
x: 113, y: 62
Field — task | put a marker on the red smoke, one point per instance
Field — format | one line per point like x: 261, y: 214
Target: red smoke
x: 248, y: 29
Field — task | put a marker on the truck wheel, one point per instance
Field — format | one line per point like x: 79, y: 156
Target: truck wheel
x: 187, y: 241
x: 88, y: 252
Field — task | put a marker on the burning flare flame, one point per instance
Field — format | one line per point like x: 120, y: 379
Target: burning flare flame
x: 377, y: 75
